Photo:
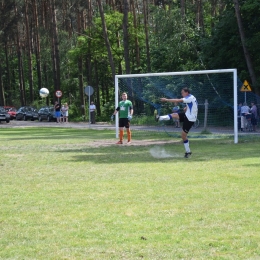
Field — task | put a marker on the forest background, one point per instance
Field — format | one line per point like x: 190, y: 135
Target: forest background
x: 67, y: 45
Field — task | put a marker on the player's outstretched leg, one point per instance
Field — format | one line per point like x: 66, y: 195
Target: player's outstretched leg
x: 165, y: 117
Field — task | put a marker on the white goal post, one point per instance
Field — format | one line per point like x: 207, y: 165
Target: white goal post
x: 234, y: 71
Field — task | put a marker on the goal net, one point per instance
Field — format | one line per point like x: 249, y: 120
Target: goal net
x: 215, y: 90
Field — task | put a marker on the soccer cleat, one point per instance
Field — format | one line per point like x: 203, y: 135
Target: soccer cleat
x: 187, y: 155
x: 129, y: 142
x: 119, y: 142
x: 157, y: 118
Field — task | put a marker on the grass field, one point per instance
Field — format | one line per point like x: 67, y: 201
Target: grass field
x: 73, y: 194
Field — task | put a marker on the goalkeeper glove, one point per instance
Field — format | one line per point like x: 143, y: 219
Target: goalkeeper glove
x: 112, y: 117
x: 129, y: 117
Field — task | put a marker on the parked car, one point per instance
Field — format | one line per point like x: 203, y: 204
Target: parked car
x: 4, y: 116
x: 26, y: 112
x: 11, y: 111
x: 46, y: 113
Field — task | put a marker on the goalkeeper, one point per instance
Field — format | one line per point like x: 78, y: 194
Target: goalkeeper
x: 125, y: 109
x: 188, y: 117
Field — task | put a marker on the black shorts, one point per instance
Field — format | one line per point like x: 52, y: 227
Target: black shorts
x: 187, y: 125
x: 124, y: 122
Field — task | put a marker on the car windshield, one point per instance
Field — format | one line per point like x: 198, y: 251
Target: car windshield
x: 2, y: 110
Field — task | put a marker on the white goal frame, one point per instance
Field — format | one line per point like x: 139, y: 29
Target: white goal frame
x: 234, y: 71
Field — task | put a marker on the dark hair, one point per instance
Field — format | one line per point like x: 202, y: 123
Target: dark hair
x: 186, y: 89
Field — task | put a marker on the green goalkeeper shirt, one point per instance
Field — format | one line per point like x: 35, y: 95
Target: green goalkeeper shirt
x: 124, y: 108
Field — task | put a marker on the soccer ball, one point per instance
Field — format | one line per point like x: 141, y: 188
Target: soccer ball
x: 44, y: 92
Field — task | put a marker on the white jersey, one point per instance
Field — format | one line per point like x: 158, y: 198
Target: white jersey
x: 192, y: 107
x: 245, y: 109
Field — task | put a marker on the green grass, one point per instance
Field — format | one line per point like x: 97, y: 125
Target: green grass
x: 63, y: 197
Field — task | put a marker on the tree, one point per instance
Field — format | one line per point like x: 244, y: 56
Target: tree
x: 245, y: 48
x: 105, y: 33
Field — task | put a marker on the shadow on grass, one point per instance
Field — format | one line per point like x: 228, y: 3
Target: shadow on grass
x: 98, y: 146
x: 202, y: 152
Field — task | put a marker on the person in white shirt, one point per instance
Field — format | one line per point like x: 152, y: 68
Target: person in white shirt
x: 245, y: 110
x: 254, y: 116
x: 188, y: 117
x: 92, y: 109
x: 65, y: 113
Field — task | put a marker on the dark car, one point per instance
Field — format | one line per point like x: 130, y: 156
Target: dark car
x: 4, y: 116
x: 11, y: 111
x: 46, y: 113
x: 26, y: 112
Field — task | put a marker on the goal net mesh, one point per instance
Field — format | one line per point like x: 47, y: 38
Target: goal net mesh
x: 214, y: 93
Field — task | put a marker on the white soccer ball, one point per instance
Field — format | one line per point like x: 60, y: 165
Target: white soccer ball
x: 44, y: 92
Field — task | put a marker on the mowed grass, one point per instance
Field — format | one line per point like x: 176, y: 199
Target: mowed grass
x: 63, y: 196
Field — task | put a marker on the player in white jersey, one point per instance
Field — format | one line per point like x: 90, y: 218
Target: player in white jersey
x: 188, y: 117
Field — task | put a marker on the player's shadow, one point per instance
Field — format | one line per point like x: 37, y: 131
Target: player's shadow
x: 113, y: 154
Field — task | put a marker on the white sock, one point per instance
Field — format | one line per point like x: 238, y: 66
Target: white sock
x: 166, y: 117
x: 187, y: 146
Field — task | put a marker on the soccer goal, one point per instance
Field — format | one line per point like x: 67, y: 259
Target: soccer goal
x: 215, y: 90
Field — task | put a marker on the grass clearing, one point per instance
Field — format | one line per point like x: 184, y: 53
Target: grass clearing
x: 66, y: 195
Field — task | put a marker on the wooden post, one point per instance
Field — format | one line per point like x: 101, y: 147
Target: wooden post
x: 206, y: 114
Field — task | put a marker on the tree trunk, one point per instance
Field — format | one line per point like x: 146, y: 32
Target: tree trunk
x: 105, y: 33
x: 55, y: 48
x: 145, y: 6
x: 2, y: 91
x: 29, y: 46
x: 37, y: 44
x: 126, y: 38
x: 97, y: 87
x: 243, y: 41
x: 81, y: 90
x: 20, y: 63
x: 199, y: 15
x: 183, y: 9
x: 137, y: 48
x: 80, y: 68
x: 8, y: 87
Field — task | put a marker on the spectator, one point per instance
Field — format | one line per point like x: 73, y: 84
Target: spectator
x: 254, y: 115
x: 57, y: 108
x: 244, y: 112
x: 65, y: 113
x: 239, y: 109
x: 92, y: 109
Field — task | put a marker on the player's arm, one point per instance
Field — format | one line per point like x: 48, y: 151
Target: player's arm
x: 171, y: 100
x: 131, y: 111
x: 113, y: 115
x: 116, y: 110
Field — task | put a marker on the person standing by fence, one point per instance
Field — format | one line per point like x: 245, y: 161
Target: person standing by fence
x: 92, y: 109
x: 254, y: 115
x: 244, y: 112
